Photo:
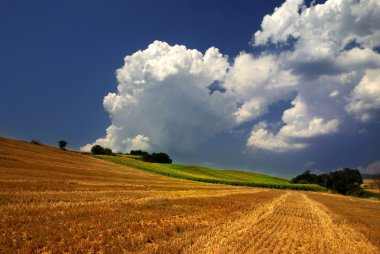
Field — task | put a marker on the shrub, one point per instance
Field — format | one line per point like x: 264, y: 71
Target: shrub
x: 62, y: 144
x: 35, y: 141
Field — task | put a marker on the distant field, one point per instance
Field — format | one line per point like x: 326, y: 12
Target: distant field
x: 203, y: 174
x: 369, y: 185
x: 54, y: 201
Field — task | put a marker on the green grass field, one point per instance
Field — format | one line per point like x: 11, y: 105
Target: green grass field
x: 203, y: 174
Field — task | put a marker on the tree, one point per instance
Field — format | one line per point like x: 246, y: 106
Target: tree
x: 346, y: 181
x: 324, y: 180
x: 305, y: 177
x: 108, y: 151
x: 62, y: 144
x: 138, y: 153
x: 157, y: 158
x: 97, y: 149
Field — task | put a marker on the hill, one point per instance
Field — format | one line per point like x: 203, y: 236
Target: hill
x: 203, y: 174
x: 54, y: 201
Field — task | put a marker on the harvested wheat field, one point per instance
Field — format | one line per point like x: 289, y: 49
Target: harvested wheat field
x: 370, y: 185
x: 54, y: 201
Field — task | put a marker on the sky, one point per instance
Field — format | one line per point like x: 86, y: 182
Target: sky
x: 275, y: 87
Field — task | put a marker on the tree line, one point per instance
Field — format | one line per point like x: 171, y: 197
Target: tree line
x: 346, y: 181
x: 153, y: 157
x: 145, y: 156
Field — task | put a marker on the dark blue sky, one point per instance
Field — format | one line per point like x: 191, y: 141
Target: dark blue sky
x: 58, y: 58
x: 58, y: 61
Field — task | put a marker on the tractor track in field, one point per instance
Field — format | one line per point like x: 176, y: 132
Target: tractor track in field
x: 289, y: 223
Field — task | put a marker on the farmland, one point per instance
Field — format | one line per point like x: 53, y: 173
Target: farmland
x: 203, y: 174
x: 370, y: 185
x: 59, y: 201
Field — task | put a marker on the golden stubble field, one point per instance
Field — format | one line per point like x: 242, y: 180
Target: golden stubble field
x: 369, y: 184
x: 53, y: 201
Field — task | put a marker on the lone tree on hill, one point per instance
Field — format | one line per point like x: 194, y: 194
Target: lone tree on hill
x: 62, y: 144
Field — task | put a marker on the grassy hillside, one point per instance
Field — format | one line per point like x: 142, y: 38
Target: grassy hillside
x: 203, y: 174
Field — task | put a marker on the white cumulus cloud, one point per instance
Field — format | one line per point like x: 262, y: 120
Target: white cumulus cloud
x: 333, y: 56
x: 257, y: 82
x: 364, y: 101
x: 373, y: 168
x: 327, y: 63
x: 298, y: 124
x: 262, y: 138
x: 163, y: 99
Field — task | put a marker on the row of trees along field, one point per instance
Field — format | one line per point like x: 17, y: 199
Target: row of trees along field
x: 99, y: 150
x: 145, y: 156
x: 346, y: 181
x: 153, y: 157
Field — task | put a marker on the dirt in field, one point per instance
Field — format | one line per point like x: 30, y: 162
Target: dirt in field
x: 59, y: 201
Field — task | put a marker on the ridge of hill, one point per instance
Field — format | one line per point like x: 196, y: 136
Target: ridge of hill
x: 67, y: 169
x: 209, y: 175
x: 21, y: 154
